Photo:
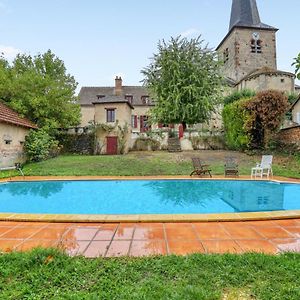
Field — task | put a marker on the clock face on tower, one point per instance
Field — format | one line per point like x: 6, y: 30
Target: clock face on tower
x: 255, y: 35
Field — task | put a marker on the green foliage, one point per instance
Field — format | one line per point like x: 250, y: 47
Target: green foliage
x: 235, y: 118
x: 40, y: 89
x: 185, y: 81
x: 292, y: 97
x: 122, y: 137
x: 238, y: 95
x: 296, y: 63
x: 39, y: 145
x: 197, y: 276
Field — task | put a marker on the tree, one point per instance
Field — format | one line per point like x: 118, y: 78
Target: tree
x: 40, y: 89
x: 297, y: 66
x: 184, y: 80
x: 268, y: 109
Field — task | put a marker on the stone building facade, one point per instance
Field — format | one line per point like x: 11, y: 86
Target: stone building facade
x: 13, y: 130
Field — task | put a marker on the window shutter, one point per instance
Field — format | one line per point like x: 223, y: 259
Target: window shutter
x: 135, y: 121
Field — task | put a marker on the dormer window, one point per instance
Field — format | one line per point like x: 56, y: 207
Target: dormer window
x: 129, y: 98
x: 145, y: 99
x: 256, y: 46
x: 100, y: 96
x: 226, y: 55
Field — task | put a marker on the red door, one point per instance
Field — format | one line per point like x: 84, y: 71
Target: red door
x: 111, y: 145
x: 180, y: 129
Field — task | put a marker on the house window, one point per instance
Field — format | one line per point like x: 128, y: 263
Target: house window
x: 129, y: 98
x: 256, y: 46
x: 145, y: 99
x: 110, y: 115
x: 134, y: 121
x: 8, y: 142
x: 282, y: 80
x: 100, y: 96
x: 226, y: 55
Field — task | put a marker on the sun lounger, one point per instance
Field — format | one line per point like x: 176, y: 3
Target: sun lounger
x: 200, y: 168
x: 231, y: 166
x: 263, y: 168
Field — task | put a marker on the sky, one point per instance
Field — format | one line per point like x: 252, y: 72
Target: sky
x: 100, y: 39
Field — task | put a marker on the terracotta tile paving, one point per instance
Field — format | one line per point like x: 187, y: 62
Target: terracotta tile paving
x: 143, y: 239
x: 150, y: 247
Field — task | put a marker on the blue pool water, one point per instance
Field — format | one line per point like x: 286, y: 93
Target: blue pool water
x: 147, y: 197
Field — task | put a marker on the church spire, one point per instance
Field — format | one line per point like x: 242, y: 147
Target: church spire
x: 244, y: 13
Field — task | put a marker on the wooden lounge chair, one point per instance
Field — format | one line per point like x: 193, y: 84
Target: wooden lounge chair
x: 199, y: 167
x: 231, y: 166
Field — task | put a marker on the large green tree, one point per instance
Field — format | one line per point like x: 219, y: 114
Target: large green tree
x: 184, y: 78
x: 40, y: 89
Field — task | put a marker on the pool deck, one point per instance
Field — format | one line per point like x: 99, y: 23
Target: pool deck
x: 143, y: 239
x: 108, y: 236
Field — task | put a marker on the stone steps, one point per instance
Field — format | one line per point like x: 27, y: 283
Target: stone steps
x: 174, y: 145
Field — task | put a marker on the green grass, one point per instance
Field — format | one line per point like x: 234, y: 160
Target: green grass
x: 150, y: 163
x: 49, y: 274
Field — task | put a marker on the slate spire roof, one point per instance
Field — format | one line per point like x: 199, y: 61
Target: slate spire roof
x: 244, y: 13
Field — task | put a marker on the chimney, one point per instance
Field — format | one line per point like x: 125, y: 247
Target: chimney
x: 118, y: 86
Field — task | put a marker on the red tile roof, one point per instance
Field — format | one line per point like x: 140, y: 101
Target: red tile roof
x: 7, y: 115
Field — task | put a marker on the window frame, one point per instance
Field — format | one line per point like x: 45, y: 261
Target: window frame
x: 110, y: 115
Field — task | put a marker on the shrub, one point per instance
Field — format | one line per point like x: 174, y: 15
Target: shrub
x: 238, y: 95
x: 39, y: 145
x: 268, y: 109
x: 235, y: 118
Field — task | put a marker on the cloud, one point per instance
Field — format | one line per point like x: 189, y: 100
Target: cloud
x: 9, y: 52
x: 190, y: 32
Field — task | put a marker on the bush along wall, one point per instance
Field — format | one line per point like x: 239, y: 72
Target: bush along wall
x: 251, y: 123
x: 78, y: 143
x: 235, y: 118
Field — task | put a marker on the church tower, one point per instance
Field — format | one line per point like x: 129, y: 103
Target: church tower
x: 249, y: 44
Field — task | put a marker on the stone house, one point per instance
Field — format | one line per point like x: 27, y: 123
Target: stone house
x: 13, y: 130
x: 118, y: 107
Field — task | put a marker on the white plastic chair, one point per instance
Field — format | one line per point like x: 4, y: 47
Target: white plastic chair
x: 263, y: 168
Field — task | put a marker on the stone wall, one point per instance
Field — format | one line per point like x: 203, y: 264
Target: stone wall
x: 269, y: 80
x: 12, y: 140
x: 290, y: 135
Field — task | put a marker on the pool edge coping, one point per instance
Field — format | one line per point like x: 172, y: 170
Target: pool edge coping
x: 147, y: 218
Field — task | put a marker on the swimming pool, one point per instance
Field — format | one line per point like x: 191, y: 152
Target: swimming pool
x: 147, y: 197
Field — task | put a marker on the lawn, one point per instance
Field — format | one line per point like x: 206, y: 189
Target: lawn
x: 152, y: 163
x: 49, y: 274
